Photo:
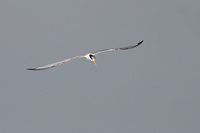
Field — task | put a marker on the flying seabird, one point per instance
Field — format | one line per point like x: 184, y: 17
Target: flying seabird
x: 87, y: 57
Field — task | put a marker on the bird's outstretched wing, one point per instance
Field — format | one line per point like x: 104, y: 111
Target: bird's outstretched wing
x: 112, y: 49
x: 54, y: 64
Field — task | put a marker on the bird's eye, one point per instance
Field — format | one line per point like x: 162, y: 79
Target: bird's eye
x: 92, y: 56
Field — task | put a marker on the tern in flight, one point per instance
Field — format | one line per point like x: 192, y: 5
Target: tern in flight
x: 87, y: 57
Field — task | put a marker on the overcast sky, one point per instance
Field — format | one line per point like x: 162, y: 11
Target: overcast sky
x: 154, y: 88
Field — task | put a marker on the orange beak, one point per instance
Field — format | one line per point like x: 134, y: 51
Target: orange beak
x: 95, y: 63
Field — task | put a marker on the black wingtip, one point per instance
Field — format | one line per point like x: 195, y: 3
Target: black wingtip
x: 30, y: 69
x: 141, y: 42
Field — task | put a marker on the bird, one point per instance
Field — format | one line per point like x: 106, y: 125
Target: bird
x: 90, y: 57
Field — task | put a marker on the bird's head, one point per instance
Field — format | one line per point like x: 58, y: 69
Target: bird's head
x: 93, y: 58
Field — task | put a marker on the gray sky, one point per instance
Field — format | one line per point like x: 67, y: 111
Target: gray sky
x: 153, y: 88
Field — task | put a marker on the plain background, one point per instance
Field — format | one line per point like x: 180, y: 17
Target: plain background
x: 153, y: 88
